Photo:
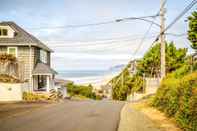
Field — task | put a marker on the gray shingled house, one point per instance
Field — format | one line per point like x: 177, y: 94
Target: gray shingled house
x: 33, y: 56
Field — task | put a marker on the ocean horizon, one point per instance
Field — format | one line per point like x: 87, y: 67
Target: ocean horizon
x: 85, y: 76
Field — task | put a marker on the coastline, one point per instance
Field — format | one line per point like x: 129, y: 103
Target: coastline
x: 96, y: 80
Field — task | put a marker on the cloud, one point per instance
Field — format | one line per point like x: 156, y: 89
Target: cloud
x: 85, y: 56
x: 81, y: 53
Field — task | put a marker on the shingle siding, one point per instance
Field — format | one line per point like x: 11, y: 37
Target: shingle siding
x: 23, y: 59
x: 3, y: 49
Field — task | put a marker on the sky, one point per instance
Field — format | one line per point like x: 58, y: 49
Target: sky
x: 94, y: 47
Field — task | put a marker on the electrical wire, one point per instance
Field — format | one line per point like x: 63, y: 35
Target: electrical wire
x: 94, y: 43
x: 94, y: 24
x: 176, y: 19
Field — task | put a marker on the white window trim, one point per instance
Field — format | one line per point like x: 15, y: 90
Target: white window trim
x: 2, y: 32
x: 43, y: 56
x: 16, y: 48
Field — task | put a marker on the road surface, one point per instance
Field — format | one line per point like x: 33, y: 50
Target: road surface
x: 67, y: 116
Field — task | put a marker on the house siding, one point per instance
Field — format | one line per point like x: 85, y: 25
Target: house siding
x: 3, y: 49
x: 23, y: 59
x: 25, y: 67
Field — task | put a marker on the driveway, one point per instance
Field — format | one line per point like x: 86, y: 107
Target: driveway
x: 67, y: 116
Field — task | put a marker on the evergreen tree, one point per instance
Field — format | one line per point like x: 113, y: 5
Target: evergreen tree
x: 192, y: 33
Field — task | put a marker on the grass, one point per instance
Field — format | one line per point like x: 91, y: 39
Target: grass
x: 79, y: 97
x: 159, y: 118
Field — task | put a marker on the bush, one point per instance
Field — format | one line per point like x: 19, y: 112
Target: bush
x: 8, y: 79
x: 27, y: 96
x: 125, y: 84
x: 137, y: 83
x: 7, y: 58
x: 178, y: 98
x: 187, y: 113
x: 167, y: 96
x: 179, y: 73
x: 81, y: 90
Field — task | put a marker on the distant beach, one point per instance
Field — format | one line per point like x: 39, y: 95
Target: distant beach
x: 94, y: 77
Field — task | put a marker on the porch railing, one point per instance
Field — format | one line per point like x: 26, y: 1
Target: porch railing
x: 15, y: 69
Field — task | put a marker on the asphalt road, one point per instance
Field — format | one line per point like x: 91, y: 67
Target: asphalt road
x: 67, y: 116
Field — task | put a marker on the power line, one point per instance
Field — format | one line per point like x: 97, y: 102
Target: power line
x: 146, y: 33
x: 135, y: 36
x: 142, y: 40
x: 95, y: 24
x: 176, y: 35
x: 177, y: 18
x: 110, y: 41
x: 93, y: 43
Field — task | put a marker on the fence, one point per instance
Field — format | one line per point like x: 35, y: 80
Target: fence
x: 9, y: 68
x: 151, y: 86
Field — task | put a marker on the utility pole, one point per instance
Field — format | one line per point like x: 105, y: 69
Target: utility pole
x: 162, y: 39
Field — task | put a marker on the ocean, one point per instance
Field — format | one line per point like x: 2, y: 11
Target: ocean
x: 86, y: 76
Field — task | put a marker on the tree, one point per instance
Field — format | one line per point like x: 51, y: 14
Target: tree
x: 192, y: 33
x: 150, y: 64
x: 121, y: 87
x: 82, y: 90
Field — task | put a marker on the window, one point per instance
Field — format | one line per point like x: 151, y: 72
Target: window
x: 12, y: 51
x: 3, y: 32
x: 43, y: 56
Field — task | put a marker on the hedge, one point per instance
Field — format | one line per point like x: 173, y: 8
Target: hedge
x: 177, y: 97
x: 81, y: 90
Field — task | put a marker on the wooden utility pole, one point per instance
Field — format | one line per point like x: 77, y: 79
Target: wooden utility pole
x: 162, y: 39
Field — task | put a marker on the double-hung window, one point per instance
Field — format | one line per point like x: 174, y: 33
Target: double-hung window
x: 43, y: 56
x: 13, y: 51
x: 3, y: 32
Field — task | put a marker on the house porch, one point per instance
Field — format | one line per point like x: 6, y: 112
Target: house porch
x: 43, y: 78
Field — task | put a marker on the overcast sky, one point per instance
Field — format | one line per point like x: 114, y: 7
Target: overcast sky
x: 93, y: 47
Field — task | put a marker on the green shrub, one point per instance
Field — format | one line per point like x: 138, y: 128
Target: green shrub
x: 7, y: 58
x: 184, y: 70
x: 137, y: 83
x: 178, y: 98
x: 82, y: 90
x: 187, y: 113
x: 9, y: 79
x: 27, y: 96
x: 167, y: 97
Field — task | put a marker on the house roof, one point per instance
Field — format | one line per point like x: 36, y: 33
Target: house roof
x: 21, y: 38
x: 41, y: 69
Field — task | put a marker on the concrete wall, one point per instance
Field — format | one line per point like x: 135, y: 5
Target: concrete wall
x: 11, y: 92
x: 152, y: 85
